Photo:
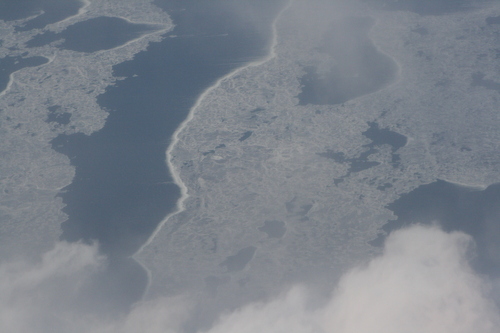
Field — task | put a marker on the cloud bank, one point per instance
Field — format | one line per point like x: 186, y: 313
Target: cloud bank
x: 421, y: 283
x: 47, y: 296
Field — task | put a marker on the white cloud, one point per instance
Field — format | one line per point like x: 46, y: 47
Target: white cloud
x: 421, y: 283
x: 44, y: 296
x: 161, y: 315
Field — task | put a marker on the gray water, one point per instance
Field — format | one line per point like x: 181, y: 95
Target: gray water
x: 378, y: 136
x: 238, y: 261
x: 423, y: 7
x: 100, y: 33
x: 273, y: 229
x: 44, y: 11
x: 478, y: 80
x: 493, y: 20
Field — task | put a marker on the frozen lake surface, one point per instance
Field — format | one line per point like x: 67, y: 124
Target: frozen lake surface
x: 228, y: 150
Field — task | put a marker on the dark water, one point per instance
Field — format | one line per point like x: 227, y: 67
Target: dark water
x: 423, y: 7
x: 274, y: 229
x: 245, y: 135
x: 9, y: 65
x: 238, y: 262
x: 455, y: 207
x: 493, y: 20
x: 48, y: 11
x: 15, y: 10
x: 100, y: 33
x: 384, y: 136
x: 357, y: 69
x: 478, y: 80
x: 378, y: 136
x: 122, y: 188
x: 56, y: 115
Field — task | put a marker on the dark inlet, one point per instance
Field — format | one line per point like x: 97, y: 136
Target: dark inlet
x: 122, y: 188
